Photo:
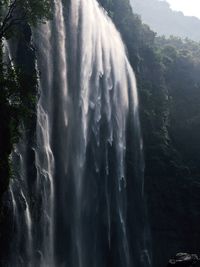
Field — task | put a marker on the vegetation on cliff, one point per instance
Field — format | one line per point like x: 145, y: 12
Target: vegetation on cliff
x: 167, y: 71
x: 168, y: 78
x: 18, y: 80
x: 16, y: 12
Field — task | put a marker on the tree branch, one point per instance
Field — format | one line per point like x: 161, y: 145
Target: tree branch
x: 9, y: 20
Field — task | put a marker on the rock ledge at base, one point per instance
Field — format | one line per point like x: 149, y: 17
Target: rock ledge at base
x: 184, y: 260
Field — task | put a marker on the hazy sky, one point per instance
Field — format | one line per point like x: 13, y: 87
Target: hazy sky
x: 188, y: 7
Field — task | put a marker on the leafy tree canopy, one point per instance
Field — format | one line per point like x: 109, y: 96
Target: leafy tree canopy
x: 15, y: 12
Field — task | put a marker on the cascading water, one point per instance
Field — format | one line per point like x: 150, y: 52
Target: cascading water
x: 86, y: 207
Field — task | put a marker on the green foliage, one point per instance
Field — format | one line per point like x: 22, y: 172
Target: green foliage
x: 16, y: 12
x: 16, y: 95
x: 17, y: 107
x: 182, y: 70
x: 18, y: 82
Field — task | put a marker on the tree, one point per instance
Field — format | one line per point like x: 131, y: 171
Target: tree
x: 15, y: 12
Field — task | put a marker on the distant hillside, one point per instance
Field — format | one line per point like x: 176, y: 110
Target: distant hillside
x: 162, y: 19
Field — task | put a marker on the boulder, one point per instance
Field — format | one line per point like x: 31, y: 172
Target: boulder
x: 184, y: 260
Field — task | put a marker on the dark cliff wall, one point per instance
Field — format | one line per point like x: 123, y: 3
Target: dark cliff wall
x: 25, y: 62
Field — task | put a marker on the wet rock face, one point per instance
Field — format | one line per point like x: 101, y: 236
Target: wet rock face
x: 184, y: 260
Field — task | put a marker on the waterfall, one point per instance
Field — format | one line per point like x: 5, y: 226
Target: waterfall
x: 20, y: 200
x: 85, y: 206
